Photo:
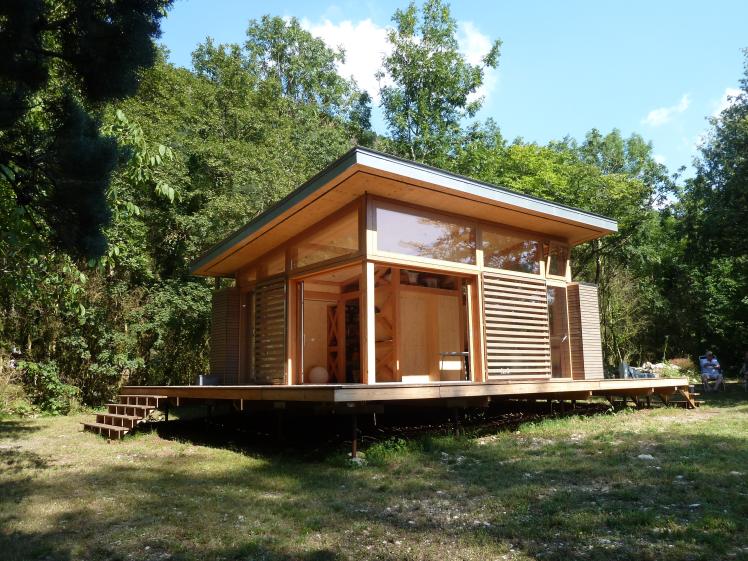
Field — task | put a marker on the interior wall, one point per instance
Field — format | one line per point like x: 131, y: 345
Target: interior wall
x: 315, y: 335
x: 429, y: 324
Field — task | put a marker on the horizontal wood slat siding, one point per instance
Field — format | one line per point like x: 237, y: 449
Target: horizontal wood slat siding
x: 269, y: 333
x: 224, y: 335
x: 515, y: 312
x: 584, y: 324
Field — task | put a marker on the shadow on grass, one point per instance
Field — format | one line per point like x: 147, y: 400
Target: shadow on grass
x: 14, y: 429
x: 734, y: 395
x: 549, y: 498
x: 306, y: 437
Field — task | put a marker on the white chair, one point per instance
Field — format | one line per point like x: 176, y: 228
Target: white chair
x: 713, y: 379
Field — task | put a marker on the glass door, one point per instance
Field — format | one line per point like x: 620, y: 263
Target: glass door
x: 559, y: 332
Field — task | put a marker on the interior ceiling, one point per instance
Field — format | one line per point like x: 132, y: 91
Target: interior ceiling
x: 358, y: 181
x: 338, y: 276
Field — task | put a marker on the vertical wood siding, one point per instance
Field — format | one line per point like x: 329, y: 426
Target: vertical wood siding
x: 516, y: 326
x: 584, y: 324
x: 224, y: 335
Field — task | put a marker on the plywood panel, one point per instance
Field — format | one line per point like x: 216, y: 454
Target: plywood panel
x: 429, y: 325
x: 516, y: 326
x: 416, y: 344
x: 315, y: 335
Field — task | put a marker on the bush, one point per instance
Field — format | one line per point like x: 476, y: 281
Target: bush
x: 43, y: 385
x: 684, y: 363
x: 13, y: 400
x: 383, y: 453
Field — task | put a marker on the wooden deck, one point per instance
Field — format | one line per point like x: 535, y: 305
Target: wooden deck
x: 136, y: 403
x: 559, y: 389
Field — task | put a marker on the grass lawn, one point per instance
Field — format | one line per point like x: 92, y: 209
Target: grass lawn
x: 570, y: 487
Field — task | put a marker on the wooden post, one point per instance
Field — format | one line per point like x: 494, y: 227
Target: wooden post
x: 368, y: 325
x: 354, y: 435
x: 294, y: 319
x: 396, y: 339
x: 279, y: 424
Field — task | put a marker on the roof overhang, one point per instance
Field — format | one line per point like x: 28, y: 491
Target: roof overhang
x: 363, y: 171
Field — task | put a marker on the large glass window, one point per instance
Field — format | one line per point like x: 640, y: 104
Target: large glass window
x: 504, y: 250
x: 338, y: 239
x: 557, y: 257
x: 559, y: 331
x: 423, y: 234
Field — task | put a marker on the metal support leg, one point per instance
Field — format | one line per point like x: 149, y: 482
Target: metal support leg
x: 354, y: 436
x: 456, y: 421
x: 279, y: 424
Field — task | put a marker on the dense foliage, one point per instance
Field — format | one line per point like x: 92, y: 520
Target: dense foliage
x: 177, y: 163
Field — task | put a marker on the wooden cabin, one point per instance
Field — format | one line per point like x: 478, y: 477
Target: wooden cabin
x: 382, y: 280
x: 384, y: 271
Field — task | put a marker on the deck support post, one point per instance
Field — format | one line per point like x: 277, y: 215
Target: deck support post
x: 354, y: 435
x: 279, y: 424
x: 456, y: 421
x: 166, y: 411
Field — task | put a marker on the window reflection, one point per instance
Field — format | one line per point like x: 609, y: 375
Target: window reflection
x: 557, y: 257
x: 558, y: 331
x: 415, y: 233
x: 502, y: 250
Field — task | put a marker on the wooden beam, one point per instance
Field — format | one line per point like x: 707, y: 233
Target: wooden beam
x: 351, y: 393
x: 368, y: 326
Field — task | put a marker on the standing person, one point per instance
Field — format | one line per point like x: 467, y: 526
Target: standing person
x: 744, y: 371
x: 711, y: 371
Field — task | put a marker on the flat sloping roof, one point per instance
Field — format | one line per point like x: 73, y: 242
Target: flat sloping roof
x: 362, y: 170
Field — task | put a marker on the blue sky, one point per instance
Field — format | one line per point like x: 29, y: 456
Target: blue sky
x: 659, y: 68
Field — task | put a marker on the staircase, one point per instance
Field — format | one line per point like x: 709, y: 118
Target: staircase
x: 124, y: 416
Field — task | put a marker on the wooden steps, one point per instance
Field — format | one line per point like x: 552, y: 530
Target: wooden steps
x: 685, y: 398
x: 111, y: 432
x: 125, y: 415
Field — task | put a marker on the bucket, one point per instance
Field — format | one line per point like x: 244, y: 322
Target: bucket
x: 208, y: 380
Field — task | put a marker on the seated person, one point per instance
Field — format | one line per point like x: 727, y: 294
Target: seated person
x: 711, y: 371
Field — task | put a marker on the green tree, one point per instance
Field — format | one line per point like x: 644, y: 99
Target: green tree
x: 428, y: 87
x: 201, y: 152
x: 714, y: 272
x: 61, y: 60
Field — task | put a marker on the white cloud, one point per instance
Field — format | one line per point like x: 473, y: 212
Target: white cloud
x: 474, y: 45
x: 365, y: 44
x: 662, y: 115
x: 728, y: 99
x: 660, y: 159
